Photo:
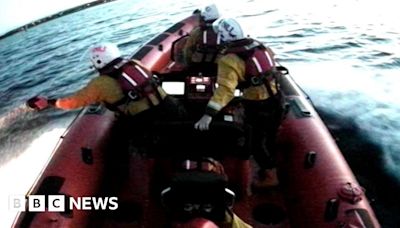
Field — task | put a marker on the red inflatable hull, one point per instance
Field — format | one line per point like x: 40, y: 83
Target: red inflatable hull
x: 318, y: 189
x: 75, y: 169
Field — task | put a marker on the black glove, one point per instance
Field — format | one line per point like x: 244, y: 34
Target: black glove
x: 40, y: 103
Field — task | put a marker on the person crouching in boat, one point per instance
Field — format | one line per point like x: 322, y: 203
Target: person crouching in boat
x: 201, y: 48
x: 124, y: 86
x: 198, y: 196
x: 248, y: 65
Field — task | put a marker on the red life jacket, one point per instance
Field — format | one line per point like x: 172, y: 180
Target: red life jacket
x: 259, y: 64
x: 135, y: 81
x: 208, y: 45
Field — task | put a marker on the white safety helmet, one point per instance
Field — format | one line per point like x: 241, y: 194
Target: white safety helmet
x: 229, y: 30
x: 102, y: 54
x: 210, y: 13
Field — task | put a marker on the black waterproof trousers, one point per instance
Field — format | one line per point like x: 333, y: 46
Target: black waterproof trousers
x: 264, y: 118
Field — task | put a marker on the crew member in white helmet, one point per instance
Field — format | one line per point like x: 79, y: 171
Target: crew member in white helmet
x: 248, y: 65
x: 124, y: 86
x: 201, y: 46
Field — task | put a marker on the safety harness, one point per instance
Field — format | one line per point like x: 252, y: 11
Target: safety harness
x: 135, y: 81
x: 260, y: 65
x: 205, y: 164
x: 198, y: 189
x: 208, y: 47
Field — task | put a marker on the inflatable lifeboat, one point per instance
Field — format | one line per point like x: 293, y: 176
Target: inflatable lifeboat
x: 94, y: 180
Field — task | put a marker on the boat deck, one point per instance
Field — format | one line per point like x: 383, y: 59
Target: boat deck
x: 139, y: 194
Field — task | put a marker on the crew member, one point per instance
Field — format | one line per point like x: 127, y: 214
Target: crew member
x: 201, y: 48
x: 124, y: 86
x: 198, y: 196
x: 249, y: 65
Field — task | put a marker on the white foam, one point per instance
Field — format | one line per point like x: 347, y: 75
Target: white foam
x: 369, y: 97
x: 18, y: 175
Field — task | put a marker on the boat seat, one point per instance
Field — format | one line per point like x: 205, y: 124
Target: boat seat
x: 194, y: 194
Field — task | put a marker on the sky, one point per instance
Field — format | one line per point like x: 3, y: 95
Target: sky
x: 16, y: 13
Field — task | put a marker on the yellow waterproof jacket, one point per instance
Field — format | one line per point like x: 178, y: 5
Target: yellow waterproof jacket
x: 231, y: 71
x: 106, y: 90
x: 233, y: 221
x: 239, y: 223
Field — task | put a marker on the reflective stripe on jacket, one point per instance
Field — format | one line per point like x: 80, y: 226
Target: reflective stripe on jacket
x: 201, y: 46
x: 232, y: 71
x: 107, y: 90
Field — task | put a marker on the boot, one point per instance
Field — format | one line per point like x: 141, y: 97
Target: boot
x: 266, y: 179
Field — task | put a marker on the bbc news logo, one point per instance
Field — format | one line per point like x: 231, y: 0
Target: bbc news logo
x: 60, y: 203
